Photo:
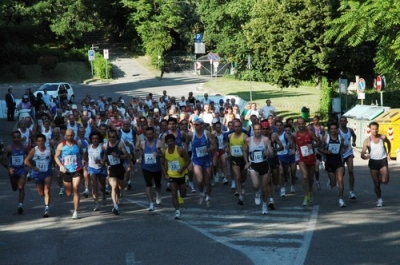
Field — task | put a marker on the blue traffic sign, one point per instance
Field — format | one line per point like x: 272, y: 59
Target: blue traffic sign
x: 210, y: 56
x: 199, y: 37
x: 91, y: 55
x: 216, y: 58
x: 361, y: 85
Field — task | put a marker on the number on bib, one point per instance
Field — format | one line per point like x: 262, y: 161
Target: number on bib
x: 236, y: 150
x: 149, y: 159
x: 17, y: 160
x: 305, y: 151
x: 174, y: 166
x: 334, y: 148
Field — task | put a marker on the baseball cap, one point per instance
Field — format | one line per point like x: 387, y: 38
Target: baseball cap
x: 199, y: 120
x: 265, y: 124
x: 92, y: 100
x: 221, y: 101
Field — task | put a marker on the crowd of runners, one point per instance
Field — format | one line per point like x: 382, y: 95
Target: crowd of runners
x: 190, y: 142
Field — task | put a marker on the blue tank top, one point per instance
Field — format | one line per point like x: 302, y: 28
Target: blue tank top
x: 71, y: 157
x: 198, y: 146
x: 178, y: 139
x: 17, y: 157
x: 149, y: 162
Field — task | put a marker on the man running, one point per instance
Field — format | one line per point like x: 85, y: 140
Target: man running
x: 40, y: 160
x: 378, y: 159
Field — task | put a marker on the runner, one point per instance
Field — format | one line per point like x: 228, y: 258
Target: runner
x: 68, y: 158
x: 219, y: 157
x: 84, y: 142
x: 40, y: 160
x: 378, y: 157
x: 13, y: 161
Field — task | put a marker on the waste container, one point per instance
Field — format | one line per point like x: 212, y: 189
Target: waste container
x: 359, y: 119
x: 389, y: 125
x: 305, y: 113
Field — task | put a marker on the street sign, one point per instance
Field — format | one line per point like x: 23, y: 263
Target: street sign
x: 361, y: 85
x: 361, y: 95
x: 378, y: 83
x: 105, y: 54
x: 210, y: 56
x: 216, y: 58
x: 216, y: 64
x: 199, y: 37
x: 198, y: 65
x: 91, y: 55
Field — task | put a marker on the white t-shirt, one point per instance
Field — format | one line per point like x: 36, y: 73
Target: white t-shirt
x: 266, y: 110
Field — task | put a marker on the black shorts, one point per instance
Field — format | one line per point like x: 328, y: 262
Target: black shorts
x: 238, y: 161
x: 261, y: 168
x: 347, y: 157
x: 274, y: 162
x: 332, y: 165
x: 178, y: 181
x: 377, y: 164
x: 67, y: 177
x: 117, y: 172
x: 149, y: 175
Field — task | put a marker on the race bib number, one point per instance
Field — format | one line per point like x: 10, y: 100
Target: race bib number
x: 17, y: 160
x: 334, y: 148
x: 305, y: 151
x: 200, y: 151
x: 174, y: 166
x: 113, y: 160
x: 236, y: 150
x: 43, y: 166
x: 70, y: 160
x: 258, y: 157
x: 149, y: 159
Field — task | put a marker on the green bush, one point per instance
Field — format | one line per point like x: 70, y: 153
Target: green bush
x: 325, y: 106
x: 47, y: 63
x: 16, y: 68
x: 99, y: 67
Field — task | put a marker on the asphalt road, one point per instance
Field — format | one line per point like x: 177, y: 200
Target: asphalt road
x: 225, y: 233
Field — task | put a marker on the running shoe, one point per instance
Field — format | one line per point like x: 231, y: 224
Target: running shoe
x: 233, y: 185
x: 62, y: 190
x: 283, y: 192
x: 96, y: 207
x: 264, y: 209
x: 318, y: 185
x: 352, y: 195
x: 306, y: 201
x: 28, y: 177
x: 216, y: 178
x: 115, y: 211
x: 158, y: 200
x: 311, y: 197
x: 191, y: 185
x: 86, y: 194
x: 341, y: 203
x: 107, y: 189
x: 208, y: 203
x: 225, y: 181
x: 292, y: 189
x: 20, y: 210
x: 46, y: 212
x: 177, y: 215
x: 236, y: 193
x: 202, y: 197
x: 328, y: 185
x: 257, y: 199
x: 75, y: 215
x: 151, y: 207
x: 271, y: 204
x: 379, y: 203
x: 129, y: 186
x: 168, y: 188
x: 241, y: 200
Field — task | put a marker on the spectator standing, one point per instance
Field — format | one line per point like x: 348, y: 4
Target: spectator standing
x: 10, y: 102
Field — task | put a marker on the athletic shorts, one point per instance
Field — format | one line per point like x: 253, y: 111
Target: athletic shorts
x: 203, y: 162
x: 117, y: 172
x: 274, y: 162
x: 219, y: 153
x: 149, y: 175
x: 18, y: 172
x: 99, y: 172
x: 332, y: 165
x: 286, y: 159
x: 238, y: 161
x: 261, y: 168
x: 377, y: 164
x: 178, y: 181
x: 309, y: 162
x: 67, y: 177
x: 39, y: 177
x: 347, y: 157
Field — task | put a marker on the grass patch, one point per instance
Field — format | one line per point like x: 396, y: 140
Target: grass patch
x: 288, y: 101
x: 71, y: 72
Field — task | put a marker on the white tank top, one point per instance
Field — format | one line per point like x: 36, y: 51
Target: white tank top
x: 347, y: 141
x: 377, y: 151
x: 94, y: 154
x: 256, y: 151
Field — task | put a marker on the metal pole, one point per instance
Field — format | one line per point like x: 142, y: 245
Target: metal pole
x: 106, y: 70
x: 211, y: 69
x: 91, y: 64
x: 381, y: 98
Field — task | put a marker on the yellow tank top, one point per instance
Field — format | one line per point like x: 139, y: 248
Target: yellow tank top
x: 236, y: 145
x: 175, y: 162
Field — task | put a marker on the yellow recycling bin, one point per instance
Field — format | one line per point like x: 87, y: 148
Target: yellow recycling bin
x: 389, y: 125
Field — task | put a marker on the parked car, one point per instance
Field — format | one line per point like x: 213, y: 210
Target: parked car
x: 52, y: 89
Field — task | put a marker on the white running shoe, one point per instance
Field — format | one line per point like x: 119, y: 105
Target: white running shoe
x: 202, y: 197
x: 225, y: 181
x: 292, y: 189
x: 283, y: 192
x: 96, y: 207
x: 208, y: 203
x: 75, y: 215
x: 379, y: 203
x: 177, y: 215
x: 341, y: 203
x: 151, y: 207
x: 352, y: 195
x: 328, y: 185
x: 233, y: 185
x: 216, y: 178
x: 191, y: 185
x: 264, y: 209
x: 158, y: 200
x: 241, y: 200
x: 318, y: 185
x: 271, y: 204
x: 257, y: 199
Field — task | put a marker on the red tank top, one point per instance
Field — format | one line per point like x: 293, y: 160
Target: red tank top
x: 302, y: 142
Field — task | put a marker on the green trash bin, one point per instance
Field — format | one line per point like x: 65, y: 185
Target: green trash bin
x: 305, y: 113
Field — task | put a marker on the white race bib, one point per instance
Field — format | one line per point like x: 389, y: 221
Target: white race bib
x: 334, y: 148
x: 174, y: 166
x: 113, y: 160
x: 236, y: 150
x: 43, y: 166
x: 17, y: 160
x: 70, y: 160
x: 258, y: 157
x: 305, y: 151
x: 150, y: 159
x: 200, y: 151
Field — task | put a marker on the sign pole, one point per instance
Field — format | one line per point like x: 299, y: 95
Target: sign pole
x: 381, y: 98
